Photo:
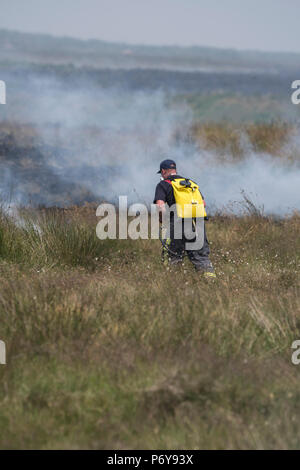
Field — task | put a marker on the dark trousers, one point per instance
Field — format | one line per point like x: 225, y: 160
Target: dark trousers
x: 177, y: 246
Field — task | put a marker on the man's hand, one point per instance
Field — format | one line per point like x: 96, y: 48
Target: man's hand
x: 161, y: 208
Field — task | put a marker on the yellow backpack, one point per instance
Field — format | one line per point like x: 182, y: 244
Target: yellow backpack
x: 188, y: 198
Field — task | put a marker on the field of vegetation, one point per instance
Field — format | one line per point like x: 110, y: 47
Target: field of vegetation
x: 108, y: 348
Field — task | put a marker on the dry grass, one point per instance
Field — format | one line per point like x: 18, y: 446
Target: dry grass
x: 109, y: 349
x: 237, y: 140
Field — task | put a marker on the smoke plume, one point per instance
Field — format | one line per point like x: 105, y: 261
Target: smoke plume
x: 106, y: 142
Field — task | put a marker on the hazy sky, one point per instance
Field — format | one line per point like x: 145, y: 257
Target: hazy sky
x: 245, y: 24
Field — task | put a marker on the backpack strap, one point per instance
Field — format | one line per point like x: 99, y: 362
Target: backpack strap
x: 172, y: 178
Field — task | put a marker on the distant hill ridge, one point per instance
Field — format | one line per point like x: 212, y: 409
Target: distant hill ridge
x: 44, y: 48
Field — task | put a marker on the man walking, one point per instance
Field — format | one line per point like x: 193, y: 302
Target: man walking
x: 185, y: 212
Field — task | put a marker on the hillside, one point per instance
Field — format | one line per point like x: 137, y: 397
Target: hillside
x: 98, y: 359
x: 42, y: 48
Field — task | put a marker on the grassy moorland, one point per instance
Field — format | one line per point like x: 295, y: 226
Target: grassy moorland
x: 272, y: 138
x: 107, y: 348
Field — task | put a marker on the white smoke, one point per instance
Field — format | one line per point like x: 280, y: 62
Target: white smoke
x: 112, y: 141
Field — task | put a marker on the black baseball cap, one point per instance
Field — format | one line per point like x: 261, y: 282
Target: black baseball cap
x: 167, y: 165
